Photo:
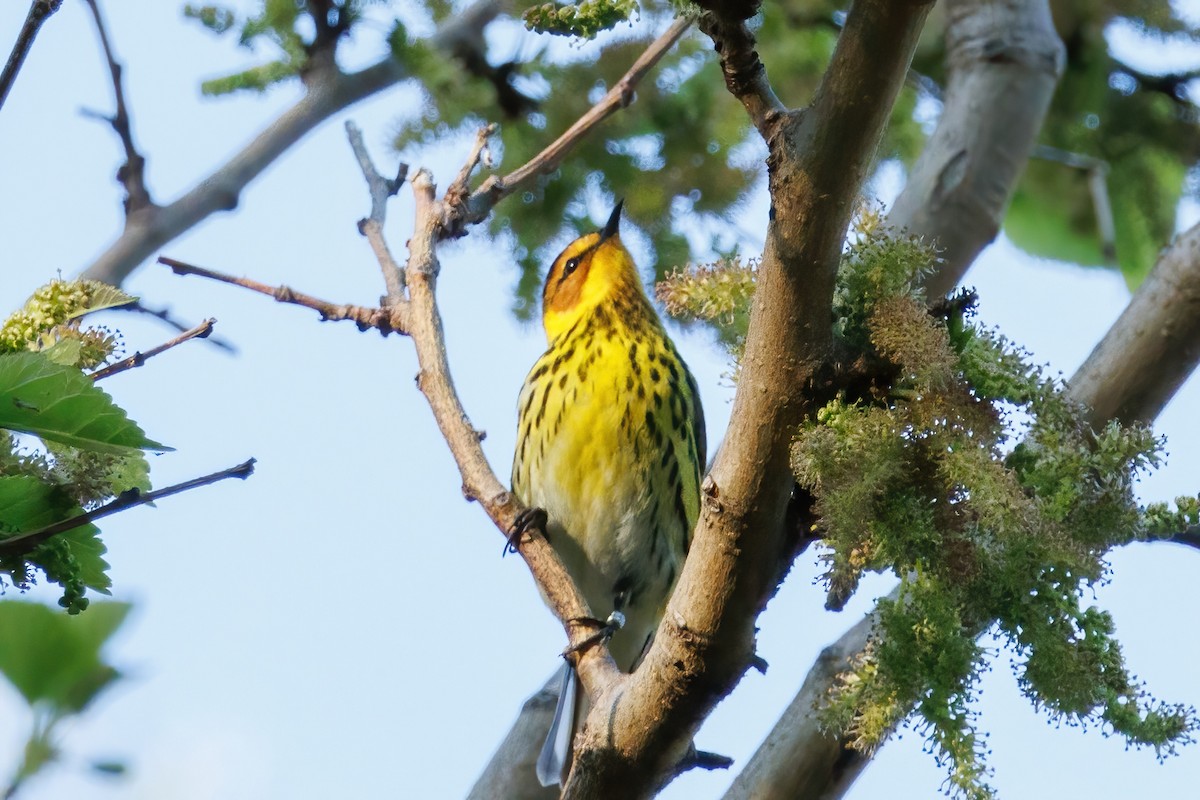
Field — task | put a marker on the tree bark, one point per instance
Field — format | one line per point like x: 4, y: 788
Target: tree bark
x: 1154, y: 345
x: 1004, y: 60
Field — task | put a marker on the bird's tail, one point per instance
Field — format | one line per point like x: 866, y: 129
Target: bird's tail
x: 556, y: 752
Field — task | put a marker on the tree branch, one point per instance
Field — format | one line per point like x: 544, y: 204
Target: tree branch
x: 1004, y: 61
x: 132, y: 174
x: 201, y: 331
x: 1153, y: 346
x: 745, y: 75
x: 39, y: 12
x: 381, y: 190
x: 24, y: 542
x: 384, y: 320
x: 475, y: 207
x: 328, y: 92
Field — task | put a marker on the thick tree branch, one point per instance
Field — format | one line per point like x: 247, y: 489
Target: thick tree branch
x: 132, y: 174
x: 328, y: 92
x: 1153, y: 346
x: 39, y: 12
x: 1004, y: 60
x: 24, y: 542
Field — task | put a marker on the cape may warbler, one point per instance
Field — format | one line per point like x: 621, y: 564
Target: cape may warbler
x: 610, y: 444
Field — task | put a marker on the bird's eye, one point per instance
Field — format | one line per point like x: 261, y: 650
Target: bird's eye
x: 569, y: 267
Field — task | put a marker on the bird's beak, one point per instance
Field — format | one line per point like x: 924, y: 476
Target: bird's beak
x: 613, y: 226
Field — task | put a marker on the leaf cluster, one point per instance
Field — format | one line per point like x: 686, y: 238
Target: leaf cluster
x: 584, y: 20
x: 65, y: 446
x: 979, y: 483
x: 718, y: 294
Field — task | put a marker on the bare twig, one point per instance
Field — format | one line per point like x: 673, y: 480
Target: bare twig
x: 164, y: 315
x: 383, y: 320
x: 459, y: 188
x: 24, y: 542
x: 201, y: 331
x: 480, y: 203
x: 380, y: 189
x: 132, y: 173
x: 39, y: 11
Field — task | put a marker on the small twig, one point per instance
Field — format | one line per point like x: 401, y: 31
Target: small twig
x: 389, y: 320
x: 132, y: 173
x: 702, y: 759
x: 164, y: 315
x: 39, y: 11
x: 24, y: 542
x: 381, y: 189
x: 201, y: 331
x: 481, y: 201
x: 458, y: 188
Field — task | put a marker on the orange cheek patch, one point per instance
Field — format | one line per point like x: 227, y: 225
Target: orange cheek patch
x: 564, y: 295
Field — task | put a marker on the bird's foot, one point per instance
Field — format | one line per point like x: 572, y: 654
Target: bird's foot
x: 529, y: 519
x: 604, y: 631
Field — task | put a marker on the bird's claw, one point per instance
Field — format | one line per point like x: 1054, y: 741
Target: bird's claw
x: 604, y: 632
x: 528, y: 519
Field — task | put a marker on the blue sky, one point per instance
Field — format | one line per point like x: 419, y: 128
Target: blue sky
x: 342, y: 624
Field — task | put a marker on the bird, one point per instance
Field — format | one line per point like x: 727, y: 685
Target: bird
x: 610, y: 446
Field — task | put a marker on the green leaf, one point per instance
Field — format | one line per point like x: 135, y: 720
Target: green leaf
x: 1052, y: 215
x: 53, y: 658
x: 100, y: 297
x: 61, y: 404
